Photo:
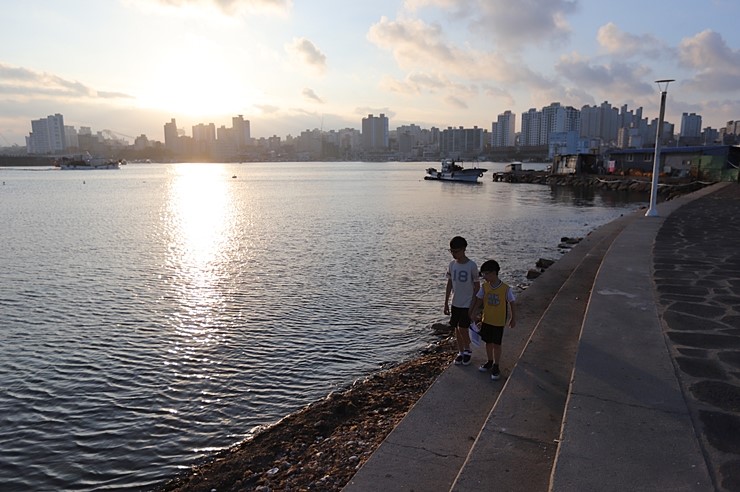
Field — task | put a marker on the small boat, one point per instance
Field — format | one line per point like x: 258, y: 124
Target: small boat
x: 455, y: 172
x: 87, y: 162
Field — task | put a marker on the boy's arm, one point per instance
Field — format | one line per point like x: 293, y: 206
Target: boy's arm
x: 473, y: 310
x: 448, y: 291
x: 512, y: 320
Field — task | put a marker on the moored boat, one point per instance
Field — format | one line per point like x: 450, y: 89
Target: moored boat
x: 455, y: 172
x: 87, y: 162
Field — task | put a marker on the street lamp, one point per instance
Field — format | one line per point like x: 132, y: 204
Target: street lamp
x: 652, y: 211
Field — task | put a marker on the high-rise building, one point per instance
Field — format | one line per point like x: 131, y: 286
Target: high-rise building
x: 461, y: 142
x: 204, y: 137
x: 375, y: 134
x: 47, y: 135
x: 531, y: 123
x: 690, y: 125
x: 241, y: 131
x: 503, y: 133
x: 171, y: 137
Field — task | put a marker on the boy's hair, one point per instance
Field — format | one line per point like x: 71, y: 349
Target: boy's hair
x: 458, y: 242
x: 490, y: 266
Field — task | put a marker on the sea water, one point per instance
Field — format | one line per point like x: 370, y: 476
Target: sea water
x: 155, y: 314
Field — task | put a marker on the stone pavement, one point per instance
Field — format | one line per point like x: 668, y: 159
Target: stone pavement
x: 644, y: 396
x: 697, y: 277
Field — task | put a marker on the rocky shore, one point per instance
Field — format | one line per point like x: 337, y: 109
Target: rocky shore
x: 669, y: 187
x: 321, y: 446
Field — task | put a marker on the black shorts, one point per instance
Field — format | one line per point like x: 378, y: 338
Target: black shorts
x: 459, y: 317
x: 491, y: 334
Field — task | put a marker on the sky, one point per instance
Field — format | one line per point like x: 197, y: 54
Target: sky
x: 130, y: 66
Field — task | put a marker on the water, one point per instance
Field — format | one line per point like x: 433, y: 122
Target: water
x: 152, y: 315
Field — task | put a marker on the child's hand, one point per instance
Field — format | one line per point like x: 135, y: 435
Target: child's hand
x: 512, y: 323
x: 447, y: 309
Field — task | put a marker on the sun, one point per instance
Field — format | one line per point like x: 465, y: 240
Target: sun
x: 197, y: 81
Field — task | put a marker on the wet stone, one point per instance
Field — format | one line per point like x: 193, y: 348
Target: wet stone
x: 701, y: 310
x: 701, y: 368
x: 727, y: 299
x: 709, y: 284
x: 690, y: 352
x: 717, y: 426
x: 731, y: 358
x: 683, y: 289
x: 720, y: 394
x: 683, y: 322
x: 730, y: 475
x: 680, y: 298
x: 663, y: 274
x: 704, y: 340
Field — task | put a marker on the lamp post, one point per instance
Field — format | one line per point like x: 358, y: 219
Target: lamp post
x: 652, y: 211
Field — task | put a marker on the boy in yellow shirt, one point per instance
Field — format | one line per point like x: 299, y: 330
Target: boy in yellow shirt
x: 497, y: 300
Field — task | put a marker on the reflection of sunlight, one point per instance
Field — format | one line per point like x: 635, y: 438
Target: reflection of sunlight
x: 199, y: 224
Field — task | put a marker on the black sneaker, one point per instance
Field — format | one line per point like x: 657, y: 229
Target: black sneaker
x: 466, y: 358
x: 459, y: 359
x: 495, y: 373
x: 486, y: 367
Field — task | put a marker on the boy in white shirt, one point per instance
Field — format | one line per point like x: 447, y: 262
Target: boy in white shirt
x: 462, y: 283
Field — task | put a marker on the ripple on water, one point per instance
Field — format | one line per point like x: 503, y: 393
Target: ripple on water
x: 166, y: 311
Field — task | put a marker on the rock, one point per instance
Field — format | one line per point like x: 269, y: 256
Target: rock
x: 544, y: 263
x: 532, y: 273
x: 441, y: 329
x: 570, y: 240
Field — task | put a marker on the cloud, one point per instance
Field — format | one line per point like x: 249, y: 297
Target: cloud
x: 366, y: 110
x: 617, y: 42
x: 311, y: 95
x: 716, y: 64
x: 456, y: 102
x: 511, y: 25
x: 305, y: 51
x: 415, y: 43
x: 231, y: 6
x: 267, y: 108
x: 26, y: 83
x: 616, y: 78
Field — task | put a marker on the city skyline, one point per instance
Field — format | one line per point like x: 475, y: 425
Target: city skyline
x: 131, y: 65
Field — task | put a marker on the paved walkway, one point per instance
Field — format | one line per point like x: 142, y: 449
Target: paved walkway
x: 697, y: 276
x: 626, y: 372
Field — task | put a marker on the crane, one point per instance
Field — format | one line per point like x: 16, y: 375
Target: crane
x: 112, y: 135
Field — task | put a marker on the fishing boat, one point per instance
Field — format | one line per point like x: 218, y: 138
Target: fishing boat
x: 86, y: 162
x: 450, y: 171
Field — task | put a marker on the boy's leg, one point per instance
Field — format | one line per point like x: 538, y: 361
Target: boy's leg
x: 460, y: 346
x: 489, y: 351
x: 459, y: 339
x: 489, y: 356
x: 465, y: 335
x: 495, y: 373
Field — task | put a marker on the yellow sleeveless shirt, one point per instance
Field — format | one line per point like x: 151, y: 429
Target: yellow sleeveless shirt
x: 495, y: 307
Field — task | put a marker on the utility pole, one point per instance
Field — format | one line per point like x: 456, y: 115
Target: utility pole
x: 652, y: 211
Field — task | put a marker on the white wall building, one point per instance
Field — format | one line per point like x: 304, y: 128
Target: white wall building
x: 47, y: 135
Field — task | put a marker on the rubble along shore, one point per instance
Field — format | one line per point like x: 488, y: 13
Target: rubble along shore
x: 668, y: 188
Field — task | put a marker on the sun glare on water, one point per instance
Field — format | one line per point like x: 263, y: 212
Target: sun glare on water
x: 199, y: 220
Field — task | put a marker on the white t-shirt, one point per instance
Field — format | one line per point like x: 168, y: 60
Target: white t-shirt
x: 463, y: 276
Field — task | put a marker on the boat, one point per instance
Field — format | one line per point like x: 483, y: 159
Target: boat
x: 455, y: 172
x: 86, y: 162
